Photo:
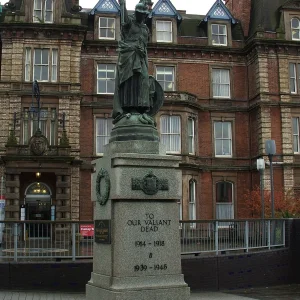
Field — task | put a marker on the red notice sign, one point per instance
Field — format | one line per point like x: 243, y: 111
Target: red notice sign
x: 87, y: 229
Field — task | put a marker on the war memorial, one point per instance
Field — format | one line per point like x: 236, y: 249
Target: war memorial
x: 136, y: 186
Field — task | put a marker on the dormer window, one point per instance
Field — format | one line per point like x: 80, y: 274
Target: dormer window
x: 219, y: 25
x: 107, y: 28
x: 43, y: 11
x: 295, y: 26
x: 164, y: 31
x: 219, y: 34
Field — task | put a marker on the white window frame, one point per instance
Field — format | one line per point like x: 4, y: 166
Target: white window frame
x: 191, y: 136
x: 161, y: 76
x: 297, y: 29
x: 41, y: 65
x: 294, y: 77
x: 180, y: 211
x: 107, y: 29
x: 42, y: 9
x: 220, y: 78
x: 107, y: 132
x: 54, y: 67
x: 192, y: 201
x: 105, y: 79
x: 167, y: 135
x: 296, y: 141
x: 29, y: 65
x: 217, y: 35
x: 222, y: 138
x: 164, y: 32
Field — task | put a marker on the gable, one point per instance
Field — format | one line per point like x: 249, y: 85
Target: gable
x: 220, y: 12
x: 106, y: 6
x: 165, y: 8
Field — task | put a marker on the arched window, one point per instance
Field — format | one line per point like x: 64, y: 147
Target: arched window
x: 224, y: 200
x: 192, y: 199
x: 38, y: 188
x: 295, y: 26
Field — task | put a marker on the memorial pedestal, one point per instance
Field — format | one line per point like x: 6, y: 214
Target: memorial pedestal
x: 137, y: 243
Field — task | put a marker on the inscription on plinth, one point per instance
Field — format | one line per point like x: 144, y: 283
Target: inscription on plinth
x: 148, y: 239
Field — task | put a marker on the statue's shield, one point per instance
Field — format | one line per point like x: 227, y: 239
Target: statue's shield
x: 158, y: 96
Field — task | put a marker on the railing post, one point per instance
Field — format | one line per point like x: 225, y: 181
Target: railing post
x: 283, y: 232
x: 269, y: 234
x: 247, y: 236
x: 217, y: 237
x: 73, y: 241
x: 15, y: 241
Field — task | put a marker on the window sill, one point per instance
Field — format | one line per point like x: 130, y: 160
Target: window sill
x: 165, y: 42
x: 106, y: 39
x: 220, y: 97
x: 105, y: 93
x: 219, y: 45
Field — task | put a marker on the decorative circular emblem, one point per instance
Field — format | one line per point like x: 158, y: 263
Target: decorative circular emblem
x: 38, y: 143
x: 103, y: 196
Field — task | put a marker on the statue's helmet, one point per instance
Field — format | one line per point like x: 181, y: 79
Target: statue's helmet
x: 141, y: 8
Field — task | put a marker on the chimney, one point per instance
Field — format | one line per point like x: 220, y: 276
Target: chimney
x: 241, y: 10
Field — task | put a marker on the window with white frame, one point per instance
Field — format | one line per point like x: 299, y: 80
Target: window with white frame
x: 219, y: 34
x: 43, y: 11
x: 164, y: 31
x: 47, y: 124
x: 180, y: 210
x: 224, y: 200
x: 106, y: 75
x: 165, y: 76
x: 294, y: 74
x: 44, y: 66
x: 295, y: 27
x: 221, y: 83
x: 192, y: 200
x: 170, y: 129
x: 107, y: 28
x: 103, y: 131
x: 223, y: 139
x: 191, y: 135
x: 296, y: 135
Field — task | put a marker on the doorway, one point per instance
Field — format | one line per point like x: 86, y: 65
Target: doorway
x: 38, y: 208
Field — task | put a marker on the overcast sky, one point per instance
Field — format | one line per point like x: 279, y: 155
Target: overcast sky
x: 200, y: 7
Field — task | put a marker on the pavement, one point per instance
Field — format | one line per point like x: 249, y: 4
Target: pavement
x: 283, y: 292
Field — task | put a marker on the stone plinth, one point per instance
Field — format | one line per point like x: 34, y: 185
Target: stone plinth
x: 137, y: 243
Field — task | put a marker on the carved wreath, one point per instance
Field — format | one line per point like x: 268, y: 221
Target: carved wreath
x: 102, y: 197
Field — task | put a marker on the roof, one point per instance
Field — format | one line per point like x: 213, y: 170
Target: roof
x: 265, y: 14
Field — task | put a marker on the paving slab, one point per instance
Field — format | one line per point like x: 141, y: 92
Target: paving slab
x: 31, y: 295
x: 280, y: 292
x: 283, y: 292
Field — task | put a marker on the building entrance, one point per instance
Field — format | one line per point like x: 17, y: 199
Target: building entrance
x: 38, y: 208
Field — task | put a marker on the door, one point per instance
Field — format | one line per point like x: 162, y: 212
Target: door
x: 38, y: 208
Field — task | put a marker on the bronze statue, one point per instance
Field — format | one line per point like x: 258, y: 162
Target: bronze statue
x: 136, y: 92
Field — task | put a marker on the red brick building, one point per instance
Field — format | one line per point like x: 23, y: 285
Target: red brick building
x: 230, y: 78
